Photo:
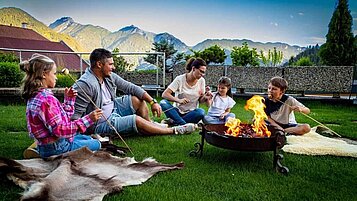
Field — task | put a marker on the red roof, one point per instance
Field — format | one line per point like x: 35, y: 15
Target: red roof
x: 20, y: 33
x: 20, y: 41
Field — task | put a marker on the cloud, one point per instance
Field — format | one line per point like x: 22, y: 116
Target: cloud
x: 316, y: 40
x: 291, y: 16
x: 274, y: 24
x: 355, y: 32
x: 355, y: 19
x: 301, y: 13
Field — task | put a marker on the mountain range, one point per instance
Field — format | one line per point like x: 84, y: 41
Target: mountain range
x: 128, y: 39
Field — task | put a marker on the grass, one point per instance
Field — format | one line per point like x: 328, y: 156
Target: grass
x: 219, y: 174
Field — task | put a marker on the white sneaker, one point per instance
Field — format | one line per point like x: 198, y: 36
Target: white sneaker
x: 185, y: 129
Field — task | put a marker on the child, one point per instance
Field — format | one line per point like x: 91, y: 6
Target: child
x: 220, y: 103
x: 280, y: 107
x: 48, y: 121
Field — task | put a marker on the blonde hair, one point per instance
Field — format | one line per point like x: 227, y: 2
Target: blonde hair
x: 34, y: 69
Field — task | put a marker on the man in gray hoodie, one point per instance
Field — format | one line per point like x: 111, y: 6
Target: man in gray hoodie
x: 128, y: 113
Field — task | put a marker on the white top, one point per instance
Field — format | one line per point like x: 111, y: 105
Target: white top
x: 182, y: 90
x: 108, y: 104
x: 220, y: 104
x: 285, y: 114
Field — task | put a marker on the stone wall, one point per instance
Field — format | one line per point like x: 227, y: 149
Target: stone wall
x: 301, y: 79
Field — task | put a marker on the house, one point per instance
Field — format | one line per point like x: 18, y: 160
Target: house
x: 27, y: 39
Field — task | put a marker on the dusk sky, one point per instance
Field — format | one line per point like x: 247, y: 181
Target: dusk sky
x: 296, y: 22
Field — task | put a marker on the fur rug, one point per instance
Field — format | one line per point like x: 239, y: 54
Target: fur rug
x: 313, y: 143
x: 79, y: 175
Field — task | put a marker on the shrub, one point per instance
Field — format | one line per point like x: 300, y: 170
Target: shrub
x: 10, y: 74
x: 65, y: 80
x: 9, y: 57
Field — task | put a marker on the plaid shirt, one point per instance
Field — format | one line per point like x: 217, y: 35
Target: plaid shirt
x: 48, y: 119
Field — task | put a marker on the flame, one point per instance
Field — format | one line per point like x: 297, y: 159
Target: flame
x: 233, y: 126
x: 259, y: 126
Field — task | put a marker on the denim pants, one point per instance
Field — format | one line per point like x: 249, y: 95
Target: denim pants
x: 180, y: 119
x: 63, y: 145
x: 216, y: 120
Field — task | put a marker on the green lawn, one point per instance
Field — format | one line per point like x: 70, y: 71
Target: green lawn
x: 219, y: 174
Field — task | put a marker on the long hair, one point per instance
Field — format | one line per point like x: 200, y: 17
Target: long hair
x: 194, y: 62
x: 34, y: 69
x: 226, y: 81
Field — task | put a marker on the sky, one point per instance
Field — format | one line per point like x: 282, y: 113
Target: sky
x: 296, y: 22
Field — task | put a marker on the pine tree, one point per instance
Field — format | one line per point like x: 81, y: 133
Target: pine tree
x: 339, y: 49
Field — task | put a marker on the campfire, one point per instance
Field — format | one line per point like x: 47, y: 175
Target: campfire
x: 235, y: 135
x: 258, y: 128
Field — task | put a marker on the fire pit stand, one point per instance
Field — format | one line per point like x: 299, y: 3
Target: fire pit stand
x: 214, y: 135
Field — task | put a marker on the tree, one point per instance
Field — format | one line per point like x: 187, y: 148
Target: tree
x: 276, y: 57
x: 213, y: 54
x: 243, y: 56
x: 339, y: 49
x: 9, y: 57
x: 121, y: 65
x: 311, y: 52
x: 304, y: 61
x: 161, y: 46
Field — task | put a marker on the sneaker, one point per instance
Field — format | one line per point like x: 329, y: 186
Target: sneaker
x: 168, y: 121
x: 185, y: 129
x: 161, y: 124
x: 31, y: 153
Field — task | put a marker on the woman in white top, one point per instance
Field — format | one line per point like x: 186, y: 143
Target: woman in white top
x: 189, y: 90
x: 221, y: 103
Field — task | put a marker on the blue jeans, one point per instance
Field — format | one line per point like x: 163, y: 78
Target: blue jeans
x: 216, y: 120
x: 63, y: 145
x: 123, y: 118
x: 180, y: 119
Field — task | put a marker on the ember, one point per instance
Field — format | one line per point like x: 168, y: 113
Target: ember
x: 258, y: 127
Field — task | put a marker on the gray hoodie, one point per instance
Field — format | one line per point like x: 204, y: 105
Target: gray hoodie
x: 90, y: 84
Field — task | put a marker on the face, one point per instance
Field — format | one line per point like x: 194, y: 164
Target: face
x: 199, y: 72
x: 222, y: 89
x: 50, y: 77
x: 274, y: 92
x: 107, y: 67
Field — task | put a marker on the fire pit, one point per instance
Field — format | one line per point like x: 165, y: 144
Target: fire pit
x: 216, y: 136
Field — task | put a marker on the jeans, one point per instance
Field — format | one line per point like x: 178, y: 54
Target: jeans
x: 63, y: 145
x: 123, y: 118
x: 180, y: 119
x: 216, y: 120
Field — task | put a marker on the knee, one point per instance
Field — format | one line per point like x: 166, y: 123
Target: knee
x: 165, y: 103
x: 137, y: 102
x: 306, y: 128
x: 200, y: 112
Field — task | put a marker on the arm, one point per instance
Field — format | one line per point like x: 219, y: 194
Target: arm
x: 82, y: 102
x: 167, y: 94
x: 61, y: 125
x: 301, y: 109
x: 227, y: 111
x: 69, y: 100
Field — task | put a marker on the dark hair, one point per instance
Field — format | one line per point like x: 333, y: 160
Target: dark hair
x: 194, y: 62
x: 34, y: 69
x: 99, y: 54
x: 226, y: 81
x: 279, y: 82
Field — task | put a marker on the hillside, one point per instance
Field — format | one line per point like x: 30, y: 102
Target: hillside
x: 15, y: 17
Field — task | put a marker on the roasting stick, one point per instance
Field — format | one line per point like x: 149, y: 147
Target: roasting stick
x: 310, y: 118
x: 66, y: 72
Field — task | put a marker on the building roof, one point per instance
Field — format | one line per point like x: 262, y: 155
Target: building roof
x: 20, y: 38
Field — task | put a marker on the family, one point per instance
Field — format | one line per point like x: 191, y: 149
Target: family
x: 62, y: 127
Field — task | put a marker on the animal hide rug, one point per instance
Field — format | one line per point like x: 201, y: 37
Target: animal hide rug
x: 79, y: 175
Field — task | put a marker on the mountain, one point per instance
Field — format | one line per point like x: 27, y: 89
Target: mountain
x: 228, y: 44
x: 178, y: 44
x: 15, y: 17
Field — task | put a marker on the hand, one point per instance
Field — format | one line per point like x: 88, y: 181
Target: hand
x: 184, y: 101
x: 71, y: 93
x: 96, y: 114
x: 222, y: 116
x: 156, y: 109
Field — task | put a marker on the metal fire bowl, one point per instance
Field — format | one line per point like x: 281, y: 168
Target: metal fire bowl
x: 214, y: 135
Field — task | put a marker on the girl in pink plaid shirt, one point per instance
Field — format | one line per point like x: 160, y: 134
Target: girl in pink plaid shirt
x: 48, y: 121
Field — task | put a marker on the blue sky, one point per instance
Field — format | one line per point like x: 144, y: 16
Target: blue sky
x: 296, y: 22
